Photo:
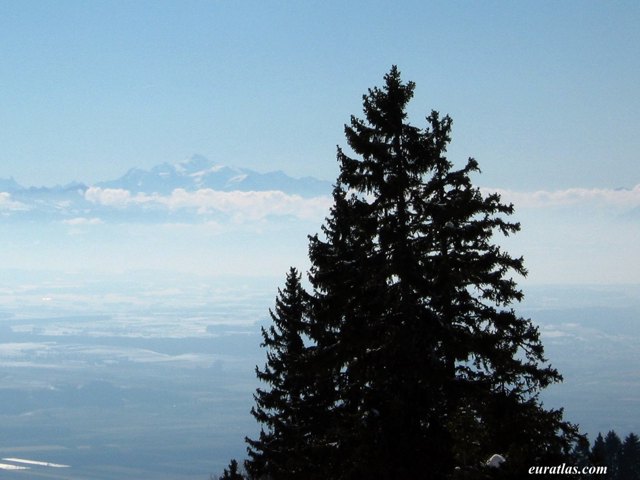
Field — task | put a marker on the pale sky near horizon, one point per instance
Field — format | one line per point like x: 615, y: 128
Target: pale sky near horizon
x: 544, y: 94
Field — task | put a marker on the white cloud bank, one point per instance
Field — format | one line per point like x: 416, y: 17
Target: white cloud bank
x: 7, y: 203
x: 249, y: 205
x: 82, y: 221
x: 620, y: 198
x: 257, y: 205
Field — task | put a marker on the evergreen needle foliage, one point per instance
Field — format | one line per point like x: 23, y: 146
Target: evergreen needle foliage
x: 622, y: 459
x: 232, y: 473
x: 285, y: 447
x: 407, y: 359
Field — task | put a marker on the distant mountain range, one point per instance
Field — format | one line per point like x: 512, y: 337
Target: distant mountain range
x: 198, y: 172
x: 193, y: 174
x: 191, y: 190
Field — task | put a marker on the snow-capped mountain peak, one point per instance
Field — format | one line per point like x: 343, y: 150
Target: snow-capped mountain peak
x: 198, y: 172
x: 194, y: 164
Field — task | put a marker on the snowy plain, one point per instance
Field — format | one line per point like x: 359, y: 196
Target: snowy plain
x: 152, y: 378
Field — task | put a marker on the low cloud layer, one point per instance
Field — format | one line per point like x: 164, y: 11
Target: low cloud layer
x: 619, y: 198
x: 575, y: 235
x: 83, y: 221
x: 249, y: 205
x: 259, y: 205
x: 7, y: 203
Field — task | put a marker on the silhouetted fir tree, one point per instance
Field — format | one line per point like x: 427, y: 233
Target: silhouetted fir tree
x: 344, y: 277
x: 582, y: 452
x: 621, y: 458
x: 598, y: 451
x: 412, y: 316
x: 232, y: 473
x: 629, y: 458
x: 408, y: 361
x: 281, y: 451
x: 612, y: 448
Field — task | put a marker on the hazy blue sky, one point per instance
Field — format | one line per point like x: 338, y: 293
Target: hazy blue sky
x: 544, y: 94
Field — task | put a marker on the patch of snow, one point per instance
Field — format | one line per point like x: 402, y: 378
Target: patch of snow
x: 35, y: 462
x: 495, y: 461
x: 237, y: 178
x: 6, y: 466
